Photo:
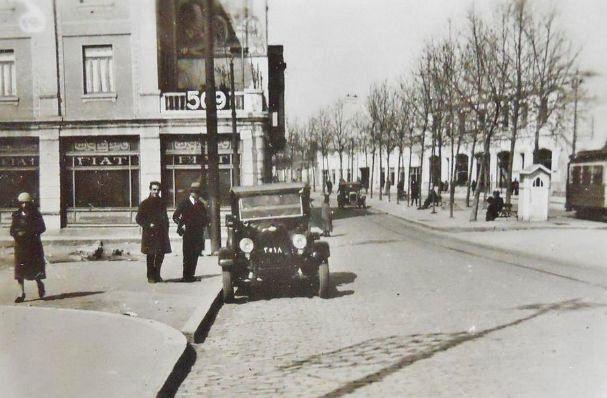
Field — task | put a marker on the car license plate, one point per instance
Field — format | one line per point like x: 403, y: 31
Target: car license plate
x: 273, y: 250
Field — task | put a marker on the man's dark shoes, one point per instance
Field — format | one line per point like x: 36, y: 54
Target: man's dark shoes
x: 20, y: 299
x: 188, y: 279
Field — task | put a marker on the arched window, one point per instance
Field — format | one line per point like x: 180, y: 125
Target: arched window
x: 538, y: 182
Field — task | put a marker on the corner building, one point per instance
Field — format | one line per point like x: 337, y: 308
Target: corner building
x: 100, y: 97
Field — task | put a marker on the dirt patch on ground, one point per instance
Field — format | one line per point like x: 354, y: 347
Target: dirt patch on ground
x: 62, y: 253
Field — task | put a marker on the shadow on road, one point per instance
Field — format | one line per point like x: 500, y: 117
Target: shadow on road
x: 349, y: 212
x: 197, y: 278
x: 68, y: 295
x: 292, y: 289
x: 393, y: 353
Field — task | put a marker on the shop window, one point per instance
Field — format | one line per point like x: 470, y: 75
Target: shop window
x: 8, y: 78
x: 18, y: 170
x: 575, y: 175
x: 586, y: 175
x: 181, y: 166
x: 102, y: 174
x: 597, y: 175
x: 98, y: 69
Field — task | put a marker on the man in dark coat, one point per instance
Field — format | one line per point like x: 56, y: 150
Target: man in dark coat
x: 26, y: 227
x: 155, y: 243
x: 414, y: 193
x: 329, y: 187
x: 191, y: 218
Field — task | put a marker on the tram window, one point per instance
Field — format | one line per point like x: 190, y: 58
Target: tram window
x: 586, y: 175
x: 597, y: 175
x: 575, y: 175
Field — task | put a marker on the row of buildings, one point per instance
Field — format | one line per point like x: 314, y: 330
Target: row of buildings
x: 554, y: 153
x: 100, y: 97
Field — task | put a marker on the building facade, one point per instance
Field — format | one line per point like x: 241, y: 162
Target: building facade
x: 100, y: 97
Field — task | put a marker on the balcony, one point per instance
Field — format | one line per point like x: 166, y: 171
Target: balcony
x: 182, y: 104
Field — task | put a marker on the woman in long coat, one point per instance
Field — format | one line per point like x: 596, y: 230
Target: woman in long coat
x: 155, y: 243
x: 327, y: 217
x: 26, y: 227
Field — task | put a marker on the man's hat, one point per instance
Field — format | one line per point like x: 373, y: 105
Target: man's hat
x: 195, y: 187
x: 24, y: 197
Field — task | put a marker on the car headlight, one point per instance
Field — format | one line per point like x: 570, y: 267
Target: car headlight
x: 299, y: 241
x: 246, y: 245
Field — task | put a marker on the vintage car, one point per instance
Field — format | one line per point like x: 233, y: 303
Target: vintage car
x: 351, y: 194
x: 269, y: 239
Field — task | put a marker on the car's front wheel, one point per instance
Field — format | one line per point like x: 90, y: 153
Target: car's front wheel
x: 228, y: 287
x: 323, y: 280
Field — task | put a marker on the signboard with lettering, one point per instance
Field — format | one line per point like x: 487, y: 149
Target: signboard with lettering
x: 195, y: 100
x: 18, y: 161
x: 88, y: 161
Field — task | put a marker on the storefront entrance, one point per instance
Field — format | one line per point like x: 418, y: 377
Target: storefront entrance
x: 100, y: 180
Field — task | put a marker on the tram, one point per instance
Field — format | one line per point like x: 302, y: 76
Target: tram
x: 586, y: 183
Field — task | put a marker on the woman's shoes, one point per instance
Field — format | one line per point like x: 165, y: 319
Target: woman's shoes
x: 20, y: 299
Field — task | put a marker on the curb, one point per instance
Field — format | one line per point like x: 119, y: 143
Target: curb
x: 201, y: 319
x: 172, y: 340
x: 494, y: 228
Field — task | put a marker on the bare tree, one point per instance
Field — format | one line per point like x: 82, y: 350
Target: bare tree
x: 553, y: 65
x: 378, y: 106
x: 340, y: 134
x: 322, y: 128
x: 488, y: 78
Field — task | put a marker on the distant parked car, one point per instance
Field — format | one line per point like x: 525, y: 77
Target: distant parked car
x: 351, y: 194
x: 269, y: 239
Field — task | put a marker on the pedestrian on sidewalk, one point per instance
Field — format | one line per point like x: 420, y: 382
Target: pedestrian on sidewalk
x: 329, y: 187
x: 155, y: 242
x: 327, y: 217
x: 414, y: 193
x: 191, y: 218
x: 26, y: 227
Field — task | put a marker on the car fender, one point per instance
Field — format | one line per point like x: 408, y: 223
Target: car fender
x: 320, y: 250
x: 227, y: 257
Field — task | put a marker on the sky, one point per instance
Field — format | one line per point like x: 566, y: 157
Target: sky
x: 338, y: 47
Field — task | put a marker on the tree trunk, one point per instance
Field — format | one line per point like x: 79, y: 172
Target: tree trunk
x: 400, y: 156
x: 380, y: 186
x: 408, y: 173
x: 372, y: 171
x: 388, y: 185
x: 477, y: 191
x: 472, y: 159
x: 341, y: 160
x: 450, y: 171
x: 511, y: 157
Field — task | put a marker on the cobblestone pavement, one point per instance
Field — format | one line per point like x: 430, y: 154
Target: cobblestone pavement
x: 409, y: 318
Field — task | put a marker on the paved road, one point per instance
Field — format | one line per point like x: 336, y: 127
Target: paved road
x: 410, y: 318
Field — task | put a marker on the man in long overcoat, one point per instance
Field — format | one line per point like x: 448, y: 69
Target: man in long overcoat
x: 191, y: 218
x: 26, y: 227
x: 155, y: 243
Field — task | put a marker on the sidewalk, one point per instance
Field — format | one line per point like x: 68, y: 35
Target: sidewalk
x: 102, y: 329
x: 563, y: 239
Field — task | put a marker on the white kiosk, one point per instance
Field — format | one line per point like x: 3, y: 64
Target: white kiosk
x: 534, y: 197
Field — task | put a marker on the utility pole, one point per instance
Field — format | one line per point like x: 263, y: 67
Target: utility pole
x: 211, y: 114
x: 576, y: 84
x: 235, y: 137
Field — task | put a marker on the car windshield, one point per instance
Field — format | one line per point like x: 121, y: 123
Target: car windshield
x: 270, y: 206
